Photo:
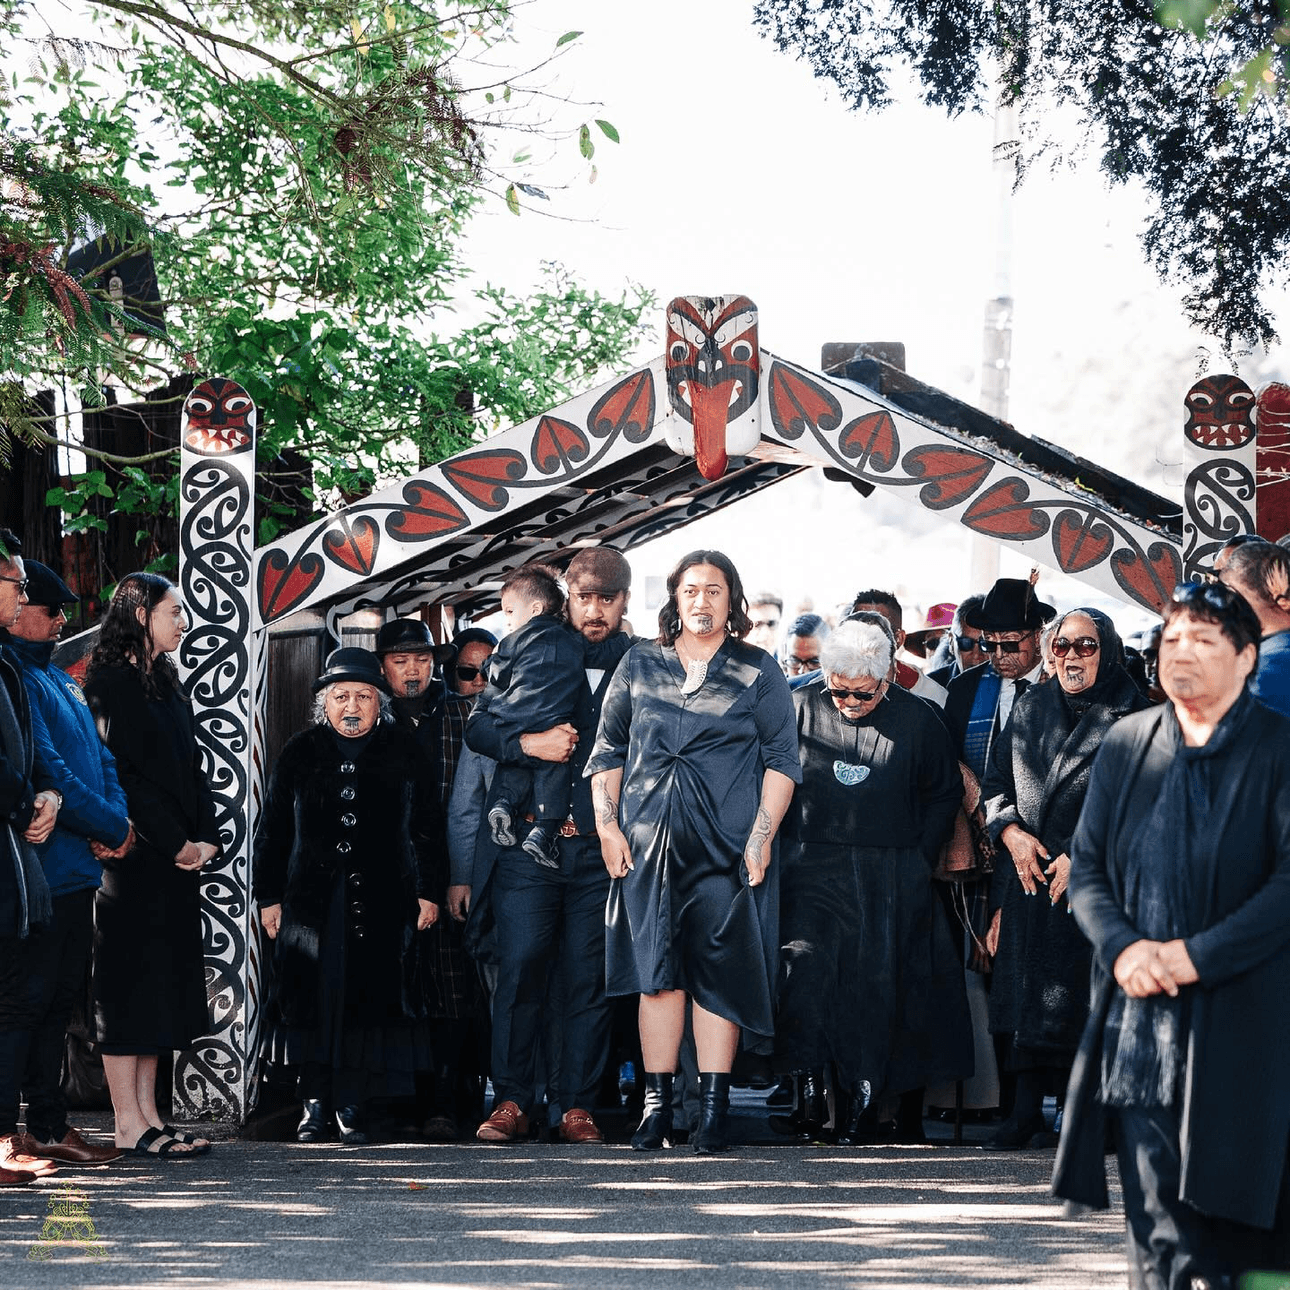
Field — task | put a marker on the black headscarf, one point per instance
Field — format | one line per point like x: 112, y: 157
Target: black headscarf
x: 1110, y: 664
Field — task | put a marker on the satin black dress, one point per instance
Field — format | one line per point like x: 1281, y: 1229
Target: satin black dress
x: 684, y: 918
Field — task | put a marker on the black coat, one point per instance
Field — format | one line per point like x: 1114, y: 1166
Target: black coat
x: 24, y: 894
x: 1038, y: 776
x: 1235, y: 1112
x: 147, y: 913
x: 367, y: 817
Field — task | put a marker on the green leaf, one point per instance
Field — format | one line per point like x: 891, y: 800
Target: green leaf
x: 567, y: 37
x: 521, y: 157
x: 585, y: 146
x: 512, y: 200
x: 607, y: 130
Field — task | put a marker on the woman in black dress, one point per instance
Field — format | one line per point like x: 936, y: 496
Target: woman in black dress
x: 349, y: 867
x: 696, y: 739
x: 871, y: 986
x: 149, y: 979
x: 1034, y: 790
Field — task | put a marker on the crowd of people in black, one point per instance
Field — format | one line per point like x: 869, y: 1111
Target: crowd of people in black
x: 1006, y: 851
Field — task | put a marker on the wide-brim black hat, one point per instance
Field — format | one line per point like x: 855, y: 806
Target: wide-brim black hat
x: 411, y: 636
x: 352, y: 664
x: 1010, y: 606
x: 45, y: 587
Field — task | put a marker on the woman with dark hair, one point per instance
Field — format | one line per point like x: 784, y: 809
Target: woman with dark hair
x: 149, y: 978
x: 697, y: 740
x: 1180, y: 877
x: 1034, y: 789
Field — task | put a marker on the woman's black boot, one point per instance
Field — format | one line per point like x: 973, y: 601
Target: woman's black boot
x: 851, y: 1131
x: 347, y: 1123
x: 313, y: 1124
x: 714, y: 1107
x: 810, y: 1109
x: 656, y: 1124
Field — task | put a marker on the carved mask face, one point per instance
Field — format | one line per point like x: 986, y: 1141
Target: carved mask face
x: 1219, y: 413
x: 713, y: 371
x: 220, y: 418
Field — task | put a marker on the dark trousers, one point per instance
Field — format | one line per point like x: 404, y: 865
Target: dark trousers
x: 1170, y: 1243
x: 41, y: 979
x: 549, y: 922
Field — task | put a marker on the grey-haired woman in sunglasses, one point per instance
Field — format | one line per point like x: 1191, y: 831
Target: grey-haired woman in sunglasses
x: 1034, y: 788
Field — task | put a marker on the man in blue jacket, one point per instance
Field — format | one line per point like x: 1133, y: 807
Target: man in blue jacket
x: 92, y: 822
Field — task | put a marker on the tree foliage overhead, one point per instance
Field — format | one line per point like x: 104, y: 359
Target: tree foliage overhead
x: 301, y: 172
x: 1187, y: 96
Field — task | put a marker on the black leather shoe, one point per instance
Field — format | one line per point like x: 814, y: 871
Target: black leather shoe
x: 313, y: 1124
x: 655, y: 1129
x: 713, y: 1131
x: 347, y: 1123
x: 852, y: 1129
x: 1013, y: 1135
x: 810, y: 1109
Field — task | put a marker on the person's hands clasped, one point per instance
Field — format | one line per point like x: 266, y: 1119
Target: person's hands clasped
x: 1060, y: 873
x: 44, y: 815
x: 427, y: 914
x: 190, y: 857
x: 101, y: 851
x: 556, y: 744
x: 459, y: 901
x: 1028, y: 857
x: 615, y: 852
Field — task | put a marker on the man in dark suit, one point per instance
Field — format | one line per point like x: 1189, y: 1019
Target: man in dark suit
x: 550, y: 920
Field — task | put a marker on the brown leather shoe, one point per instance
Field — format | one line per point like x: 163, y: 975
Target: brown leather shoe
x: 72, y: 1148
x: 506, y: 1122
x: 10, y: 1179
x: 15, y: 1158
x: 578, y: 1126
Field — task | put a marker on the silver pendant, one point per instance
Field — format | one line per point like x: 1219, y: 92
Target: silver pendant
x: 847, y: 773
x: 695, y: 675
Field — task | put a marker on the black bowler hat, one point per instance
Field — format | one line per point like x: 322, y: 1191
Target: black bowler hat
x: 351, y: 664
x: 45, y: 587
x: 1010, y: 606
x: 410, y: 636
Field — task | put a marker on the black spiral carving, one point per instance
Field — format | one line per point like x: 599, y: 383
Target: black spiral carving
x: 215, y: 580
x: 1214, y: 510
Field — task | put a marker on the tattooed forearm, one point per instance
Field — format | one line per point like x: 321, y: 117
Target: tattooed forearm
x: 606, y: 804
x: 760, y: 834
x: 608, y: 809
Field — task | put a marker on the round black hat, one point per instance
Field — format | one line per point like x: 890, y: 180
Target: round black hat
x: 45, y: 587
x: 1010, y: 606
x: 350, y: 664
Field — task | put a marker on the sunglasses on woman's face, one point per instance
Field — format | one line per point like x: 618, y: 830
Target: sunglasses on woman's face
x: 860, y: 696
x: 1216, y: 595
x: 1085, y: 647
x: 467, y: 673
x: 1004, y: 647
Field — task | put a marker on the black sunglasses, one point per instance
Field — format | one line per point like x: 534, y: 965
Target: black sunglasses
x: 967, y: 643
x: 467, y: 673
x: 1217, y: 595
x: 1085, y: 647
x: 1004, y: 647
x: 862, y: 696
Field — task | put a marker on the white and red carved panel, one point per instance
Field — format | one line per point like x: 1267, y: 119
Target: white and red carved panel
x: 1220, y: 458
x: 876, y: 442
x: 1272, y: 420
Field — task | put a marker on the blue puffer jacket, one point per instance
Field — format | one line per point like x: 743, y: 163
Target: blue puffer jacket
x: 82, y: 769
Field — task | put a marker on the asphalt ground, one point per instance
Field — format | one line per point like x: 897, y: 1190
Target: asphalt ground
x: 266, y: 1213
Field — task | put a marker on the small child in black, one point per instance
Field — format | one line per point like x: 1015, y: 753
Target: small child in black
x: 535, y: 678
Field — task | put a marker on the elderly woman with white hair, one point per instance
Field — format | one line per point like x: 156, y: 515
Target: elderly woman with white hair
x: 349, y: 866
x: 870, y: 984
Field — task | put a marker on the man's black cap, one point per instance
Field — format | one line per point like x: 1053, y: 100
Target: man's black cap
x: 350, y: 664
x: 45, y: 587
x: 410, y: 636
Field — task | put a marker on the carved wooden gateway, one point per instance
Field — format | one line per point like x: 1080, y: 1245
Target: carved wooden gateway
x: 714, y: 420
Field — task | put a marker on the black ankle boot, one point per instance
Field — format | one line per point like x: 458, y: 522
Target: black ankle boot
x: 810, y: 1108
x: 850, y: 1124
x: 347, y: 1123
x: 313, y: 1124
x: 655, y: 1129
x: 714, y: 1108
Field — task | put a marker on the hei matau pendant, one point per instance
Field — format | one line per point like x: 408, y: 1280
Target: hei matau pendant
x: 695, y: 675
x: 847, y: 773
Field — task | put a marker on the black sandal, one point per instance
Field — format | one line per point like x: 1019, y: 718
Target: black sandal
x: 149, y: 1139
x: 189, y: 1139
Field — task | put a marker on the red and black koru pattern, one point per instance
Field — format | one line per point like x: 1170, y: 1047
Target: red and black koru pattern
x: 559, y: 452
x: 713, y: 375
x: 868, y: 447
x: 1219, y: 492
x: 221, y: 418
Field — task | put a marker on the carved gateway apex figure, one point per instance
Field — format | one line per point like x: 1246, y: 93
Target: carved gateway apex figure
x: 713, y: 377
